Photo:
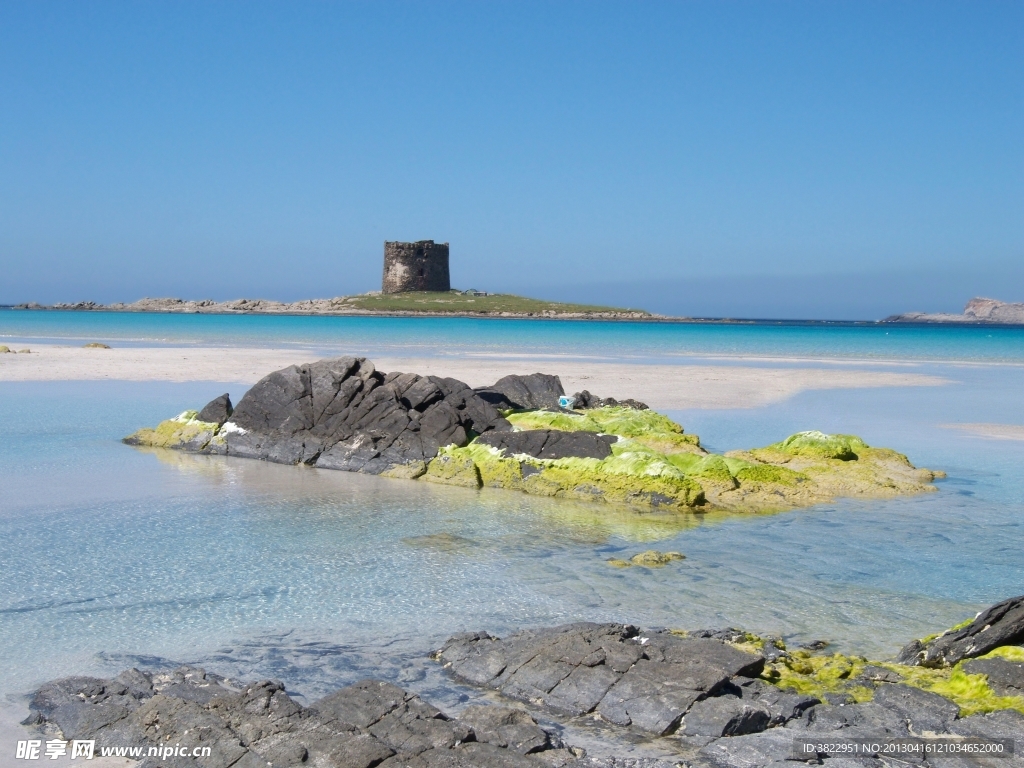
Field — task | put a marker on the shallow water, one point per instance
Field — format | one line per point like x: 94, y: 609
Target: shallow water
x: 462, y: 336
x: 319, y: 578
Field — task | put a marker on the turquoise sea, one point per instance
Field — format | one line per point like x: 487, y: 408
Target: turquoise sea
x: 114, y: 556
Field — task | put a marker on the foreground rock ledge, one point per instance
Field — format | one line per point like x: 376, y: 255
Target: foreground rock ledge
x: 345, y: 414
x: 721, y: 698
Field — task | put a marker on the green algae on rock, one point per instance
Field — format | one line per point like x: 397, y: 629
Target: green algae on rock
x: 183, y: 432
x: 651, y: 558
x: 344, y: 414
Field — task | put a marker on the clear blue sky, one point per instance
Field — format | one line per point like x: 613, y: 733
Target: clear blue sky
x: 786, y: 159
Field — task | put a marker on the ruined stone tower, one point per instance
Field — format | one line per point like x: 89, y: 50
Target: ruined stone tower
x: 419, y: 266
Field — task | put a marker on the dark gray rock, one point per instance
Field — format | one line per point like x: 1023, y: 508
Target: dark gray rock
x: 756, y: 750
x: 1001, y: 624
x: 923, y: 711
x: 584, y: 400
x: 217, y: 411
x: 551, y: 443
x: 507, y: 727
x: 1004, y: 724
x: 869, y: 717
x: 363, y: 725
x: 725, y: 716
x: 344, y: 414
x: 644, y: 681
x: 782, y: 706
x: 538, y: 390
x: 1004, y: 677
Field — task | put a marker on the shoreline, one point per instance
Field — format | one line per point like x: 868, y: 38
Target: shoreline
x: 611, y: 317
x: 662, y: 386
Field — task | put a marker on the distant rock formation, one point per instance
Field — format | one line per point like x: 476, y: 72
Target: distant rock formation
x: 345, y: 414
x: 978, y: 310
x: 419, y: 266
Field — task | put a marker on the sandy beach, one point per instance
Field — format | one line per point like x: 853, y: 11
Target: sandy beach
x: 661, y: 386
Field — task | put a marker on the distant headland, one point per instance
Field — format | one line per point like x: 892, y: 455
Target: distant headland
x: 978, y: 310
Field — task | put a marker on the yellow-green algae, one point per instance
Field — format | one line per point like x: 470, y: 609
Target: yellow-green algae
x: 650, y: 558
x: 655, y: 463
x: 818, y: 673
x: 183, y: 431
x: 648, y: 428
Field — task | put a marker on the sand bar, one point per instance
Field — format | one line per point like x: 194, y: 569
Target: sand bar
x: 991, y: 431
x: 661, y: 386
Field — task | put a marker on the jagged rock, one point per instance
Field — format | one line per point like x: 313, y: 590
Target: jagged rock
x: 508, y: 727
x: 646, y: 681
x: 537, y: 390
x: 551, y: 443
x: 217, y: 411
x: 725, y: 716
x: 343, y: 414
x: 1004, y: 677
x: 1001, y: 624
x: 782, y: 706
x: 362, y: 725
x: 584, y: 400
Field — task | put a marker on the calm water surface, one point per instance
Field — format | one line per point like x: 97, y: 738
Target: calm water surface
x: 114, y: 556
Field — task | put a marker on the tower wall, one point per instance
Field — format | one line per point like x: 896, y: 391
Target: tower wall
x: 419, y: 266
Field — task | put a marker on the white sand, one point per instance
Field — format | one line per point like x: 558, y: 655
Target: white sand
x: 991, y: 431
x: 661, y: 386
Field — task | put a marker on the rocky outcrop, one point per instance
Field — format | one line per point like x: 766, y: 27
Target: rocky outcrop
x: 344, y: 414
x: 217, y: 411
x: 978, y: 310
x: 722, y: 698
x: 1000, y: 625
x: 367, y: 724
x: 524, y: 393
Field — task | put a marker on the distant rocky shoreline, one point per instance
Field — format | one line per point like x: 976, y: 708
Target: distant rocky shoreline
x: 340, y: 306
x: 978, y: 310
x: 715, y: 698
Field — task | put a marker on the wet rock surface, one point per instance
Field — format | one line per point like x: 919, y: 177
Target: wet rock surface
x: 1001, y: 624
x: 551, y: 443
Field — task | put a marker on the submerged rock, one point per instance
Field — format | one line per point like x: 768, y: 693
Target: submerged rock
x: 652, y: 558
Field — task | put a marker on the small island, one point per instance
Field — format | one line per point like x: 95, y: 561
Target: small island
x: 523, y: 433
x: 416, y: 283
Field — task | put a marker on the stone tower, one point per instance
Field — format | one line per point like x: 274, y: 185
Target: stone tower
x: 419, y: 266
